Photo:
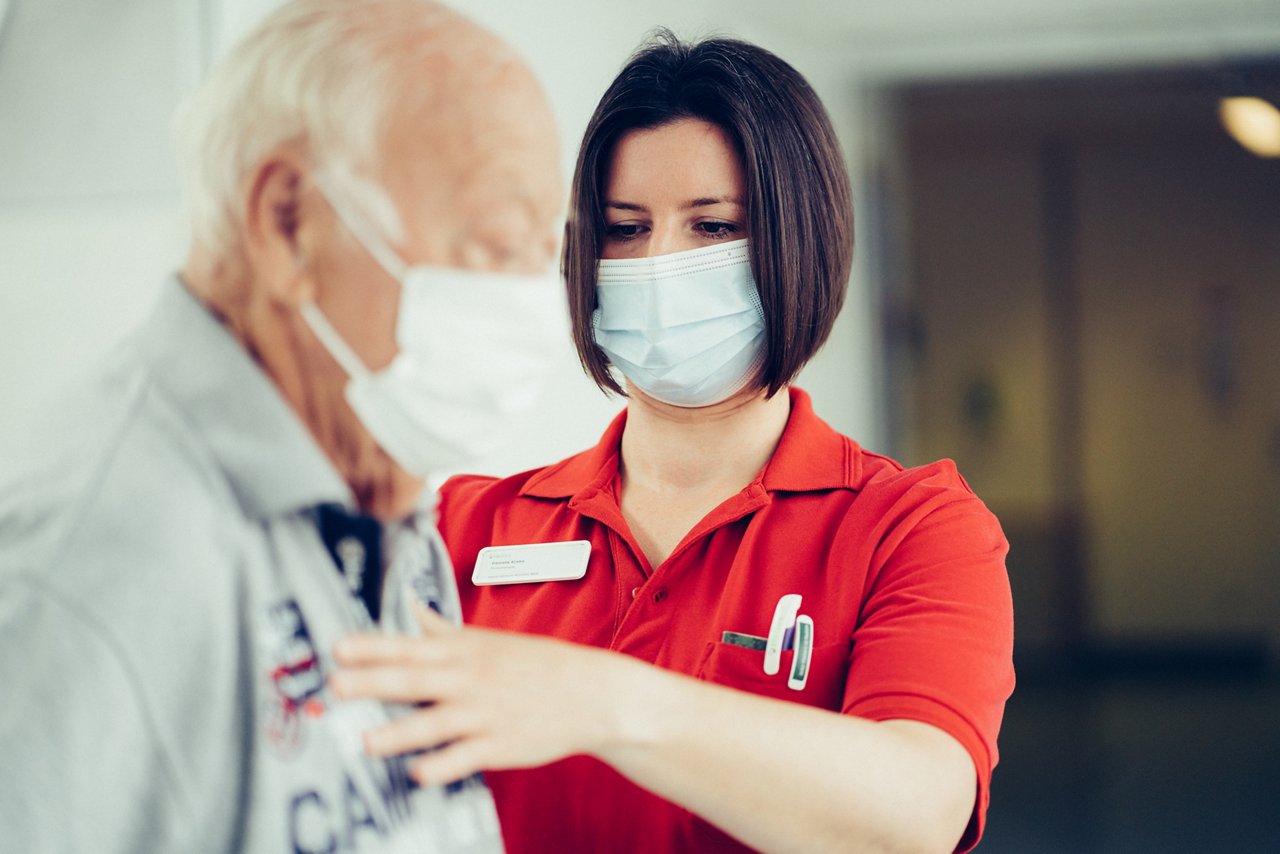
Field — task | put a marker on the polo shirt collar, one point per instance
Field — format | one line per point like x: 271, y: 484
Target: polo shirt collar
x: 810, y: 457
x: 590, y: 471
x: 271, y: 461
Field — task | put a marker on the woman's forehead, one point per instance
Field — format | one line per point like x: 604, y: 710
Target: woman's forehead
x: 689, y: 159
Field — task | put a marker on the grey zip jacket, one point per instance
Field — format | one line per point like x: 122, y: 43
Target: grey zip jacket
x: 167, y: 614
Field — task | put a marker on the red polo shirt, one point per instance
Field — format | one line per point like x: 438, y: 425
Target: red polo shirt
x: 902, y: 571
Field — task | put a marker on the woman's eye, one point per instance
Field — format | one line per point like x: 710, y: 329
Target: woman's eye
x: 716, y: 229
x: 624, y: 231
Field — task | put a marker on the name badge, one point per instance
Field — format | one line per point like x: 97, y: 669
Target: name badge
x: 525, y: 564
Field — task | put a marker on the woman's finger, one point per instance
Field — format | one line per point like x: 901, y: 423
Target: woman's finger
x: 422, y: 729
x: 455, y: 761
x: 431, y: 622
x: 394, y: 683
x: 361, y: 649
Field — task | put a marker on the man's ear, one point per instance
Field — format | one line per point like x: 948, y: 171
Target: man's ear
x: 275, y: 216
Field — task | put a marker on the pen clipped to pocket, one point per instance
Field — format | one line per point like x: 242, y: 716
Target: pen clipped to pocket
x: 789, y: 630
x: 804, y: 653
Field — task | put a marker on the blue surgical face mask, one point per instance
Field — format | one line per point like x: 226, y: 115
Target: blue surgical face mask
x: 686, y: 328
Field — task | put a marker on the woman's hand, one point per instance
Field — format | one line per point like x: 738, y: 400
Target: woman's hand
x: 496, y: 699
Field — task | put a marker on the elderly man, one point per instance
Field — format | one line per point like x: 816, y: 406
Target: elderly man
x: 374, y: 194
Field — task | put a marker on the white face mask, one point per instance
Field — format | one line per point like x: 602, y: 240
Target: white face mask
x: 686, y: 328
x: 473, y: 353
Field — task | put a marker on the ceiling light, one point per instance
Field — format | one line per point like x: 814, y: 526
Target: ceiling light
x: 1252, y: 122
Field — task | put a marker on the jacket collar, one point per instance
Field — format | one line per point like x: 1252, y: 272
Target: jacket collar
x: 270, y: 459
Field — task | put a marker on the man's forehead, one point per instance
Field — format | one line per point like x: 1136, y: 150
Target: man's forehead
x: 459, y: 115
x: 505, y: 193
x: 477, y: 156
x: 508, y: 190
x: 495, y: 145
x: 497, y: 166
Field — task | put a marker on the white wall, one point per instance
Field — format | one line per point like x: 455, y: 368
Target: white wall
x: 88, y: 190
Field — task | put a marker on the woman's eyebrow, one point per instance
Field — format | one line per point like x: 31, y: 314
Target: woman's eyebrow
x: 701, y: 202
x: 708, y: 201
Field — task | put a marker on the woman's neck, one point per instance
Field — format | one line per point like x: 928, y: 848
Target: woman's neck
x: 721, y: 448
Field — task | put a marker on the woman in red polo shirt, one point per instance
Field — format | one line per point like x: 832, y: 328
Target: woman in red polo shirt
x: 765, y: 636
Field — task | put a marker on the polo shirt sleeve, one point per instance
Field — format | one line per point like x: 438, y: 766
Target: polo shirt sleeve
x: 934, y: 641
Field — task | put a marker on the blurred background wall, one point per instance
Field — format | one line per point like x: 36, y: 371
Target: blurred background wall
x: 1068, y: 280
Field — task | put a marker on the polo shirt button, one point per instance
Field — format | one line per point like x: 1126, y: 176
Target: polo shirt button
x: 635, y: 591
x: 660, y: 595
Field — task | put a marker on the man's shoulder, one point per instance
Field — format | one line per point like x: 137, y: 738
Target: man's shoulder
x: 113, y: 475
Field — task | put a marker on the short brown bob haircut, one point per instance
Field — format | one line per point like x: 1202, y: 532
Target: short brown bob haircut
x: 799, y: 206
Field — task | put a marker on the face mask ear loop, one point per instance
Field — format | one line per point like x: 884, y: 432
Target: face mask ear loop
x: 364, y: 235
x: 332, y: 341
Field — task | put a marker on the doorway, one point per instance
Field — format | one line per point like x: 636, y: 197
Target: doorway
x: 1087, y: 318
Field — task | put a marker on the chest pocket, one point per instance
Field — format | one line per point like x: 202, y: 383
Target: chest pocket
x: 741, y: 668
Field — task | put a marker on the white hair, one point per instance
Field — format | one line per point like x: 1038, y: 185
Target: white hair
x: 323, y: 73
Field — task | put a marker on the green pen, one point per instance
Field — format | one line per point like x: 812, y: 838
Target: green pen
x: 804, y: 653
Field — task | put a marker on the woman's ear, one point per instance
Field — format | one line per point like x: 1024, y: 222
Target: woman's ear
x: 275, y: 217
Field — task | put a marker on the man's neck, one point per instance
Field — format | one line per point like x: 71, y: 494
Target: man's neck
x: 276, y: 337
